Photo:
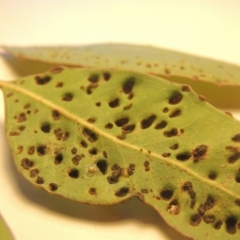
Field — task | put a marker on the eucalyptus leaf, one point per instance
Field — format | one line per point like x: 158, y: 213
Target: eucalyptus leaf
x: 5, y: 233
x: 104, y: 136
x: 165, y: 63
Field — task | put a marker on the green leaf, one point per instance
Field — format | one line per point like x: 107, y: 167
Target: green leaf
x: 5, y: 233
x: 101, y: 137
x: 165, y: 63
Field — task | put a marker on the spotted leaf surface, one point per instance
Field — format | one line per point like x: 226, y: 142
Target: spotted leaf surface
x: 5, y: 233
x: 101, y: 137
x: 165, y: 63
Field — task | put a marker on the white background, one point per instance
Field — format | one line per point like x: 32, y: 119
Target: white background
x: 203, y: 27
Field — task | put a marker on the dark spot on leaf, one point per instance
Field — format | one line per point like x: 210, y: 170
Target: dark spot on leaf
x: 83, y: 144
x: 171, y: 133
x: 167, y: 71
x: 92, y: 136
x: 231, y: 225
x: 173, y: 207
x: 237, y: 177
x: 55, y: 115
x: 93, y: 151
x: 209, y: 203
x: 175, y: 113
x: 105, y: 154
x: 56, y: 70
x: 212, y: 175
x: 114, y: 103
x: 74, y: 150
x: 165, y: 110
x: 102, y: 166
x: 46, y: 127
x: 195, y: 219
x: 116, y: 173
x: 237, y: 201
x: 122, y: 121
x: 19, y: 149
x: 166, y: 154
x: 236, y: 138
x: 92, y: 191
x: 218, y: 225
x: 98, y: 104
x: 127, y: 107
x: 147, y: 166
x: 59, y: 85
x: 26, y: 163
x: 209, y: 218
x: 184, y: 156
x: 175, y: 98
x: 147, y: 122
x: 53, y: 187
x: 26, y: 106
x: 31, y: 150
x: 39, y: 180
x: 128, y: 128
x: 186, y: 88
x: 191, y: 194
x: 90, y: 87
x: 166, y: 193
x: 41, y: 150
x: 33, y: 172
x: 76, y: 159
x: 131, y: 169
x: 128, y: 85
x: 106, y: 76
x: 21, y: 128
x: 73, y: 173
x: 233, y: 158
x: 10, y: 94
x: 109, y: 126
x: 94, y: 78
x: 187, y: 186
x: 202, y: 98
x: 58, y: 158
x: 67, y: 97
x: 21, y: 117
x: 13, y: 133
x: 161, y: 125
x: 174, y: 146
x: 145, y: 191
x: 199, y: 152
x: 41, y: 80
x: 91, y: 120
x: 122, y: 192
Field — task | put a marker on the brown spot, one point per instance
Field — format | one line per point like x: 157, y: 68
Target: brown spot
x: 98, y: 104
x: 59, y: 85
x: 167, y: 71
x: 175, y: 98
x: 128, y: 85
x: 131, y: 168
x: 102, y: 166
x: 19, y: 149
x: 74, y: 150
x: 147, y: 122
x: 31, y: 150
x: 114, y: 103
x: 236, y: 138
x: 187, y: 186
x: 209, y: 218
x: 73, y: 173
x: 122, y: 192
x: 33, y: 172
x: 55, y: 115
x: 91, y: 120
x: 39, y: 180
x: 83, y: 144
x: 13, y: 133
x: 231, y: 225
x: 145, y: 191
x: 122, y: 121
x: 93, y: 151
x: 46, y: 127
x: 233, y: 158
x: 106, y: 76
x: 67, y: 97
x: 195, y: 219
x: 174, y: 146
x: 171, y: 133
x: 173, y: 207
x: 116, y: 173
x: 94, y: 78
x: 199, y: 152
x: 166, y: 154
x: 92, y: 191
x: 92, y: 136
x: 76, y: 159
x: 128, y: 128
x: 147, y: 166
x: 27, y: 163
x: 41, y: 80
x: 21, y: 128
x: 186, y: 88
x: 175, y: 113
x: 166, y: 193
x: 41, y: 150
x: 58, y: 158
x: 109, y: 126
x: 237, y: 177
x: 165, y: 110
x: 237, y: 201
x: 10, y: 94
x: 53, y: 187
x: 127, y: 107
x: 218, y: 225
x: 56, y: 70
x: 161, y: 125
x: 26, y: 106
x: 212, y: 175
x: 21, y: 117
x: 210, y: 202
x: 105, y: 154
x: 184, y: 156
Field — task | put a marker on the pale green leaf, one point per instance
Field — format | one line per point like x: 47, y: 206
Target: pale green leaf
x: 165, y: 63
x: 5, y: 233
x: 101, y: 137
